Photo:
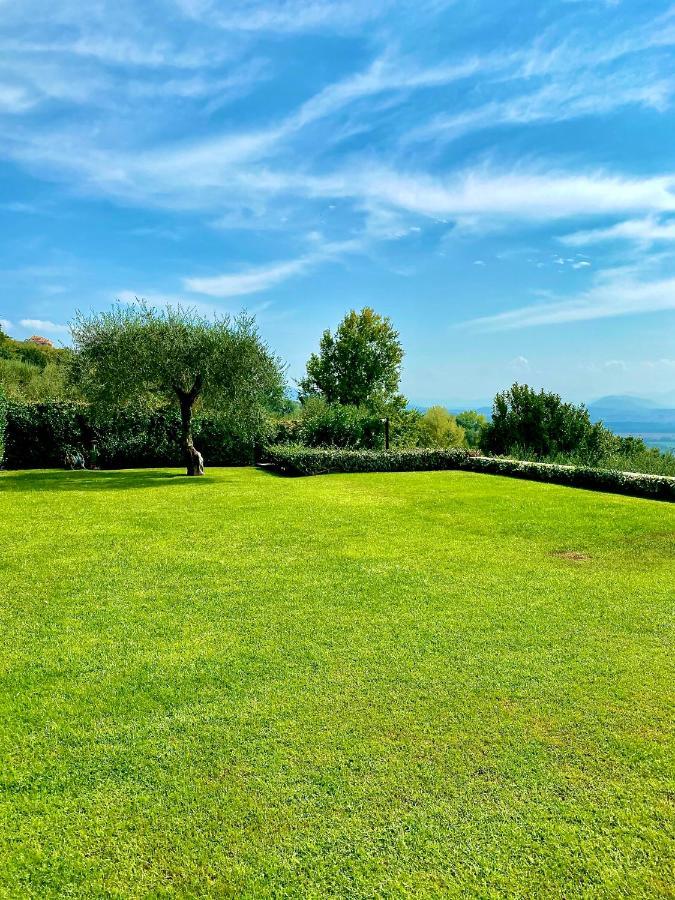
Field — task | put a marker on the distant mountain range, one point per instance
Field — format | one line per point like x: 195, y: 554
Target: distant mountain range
x: 627, y: 415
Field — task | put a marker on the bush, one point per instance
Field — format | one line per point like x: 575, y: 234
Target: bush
x: 3, y: 424
x: 527, y: 422
x: 40, y: 435
x: 440, y: 429
x: 324, y: 424
x: 298, y: 460
x: 474, y: 425
x: 624, y: 454
x: 45, y: 435
x: 22, y: 380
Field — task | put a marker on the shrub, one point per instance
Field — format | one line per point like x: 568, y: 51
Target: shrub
x: 321, y: 424
x: 624, y: 454
x: 334, y: 424
x: 540, y: 424
x: 440, y: 429
x: 474, y: 425
x: 39, y: 435
x: 298, y: 460
x: 22, y: 380
x: 295, y: 459
x: 44, y: 435
x: 3, y: 424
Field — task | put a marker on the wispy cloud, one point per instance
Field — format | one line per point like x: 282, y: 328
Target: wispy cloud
x: 289, y: 16
x: 613, y: 295
x: 255, y: 280
x: 555, y: 102
x: 643, y: 231
x: 533, y: 194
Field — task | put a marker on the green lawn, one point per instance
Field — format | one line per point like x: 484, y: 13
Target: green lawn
x: 428, y: 684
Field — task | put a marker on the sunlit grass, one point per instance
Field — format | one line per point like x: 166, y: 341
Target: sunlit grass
x: 425, y: 684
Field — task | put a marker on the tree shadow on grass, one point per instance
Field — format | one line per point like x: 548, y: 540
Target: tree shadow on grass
x: 100, y: 480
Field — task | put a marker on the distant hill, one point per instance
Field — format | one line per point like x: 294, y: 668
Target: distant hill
x: 623, y: 402
x: 627, y: 415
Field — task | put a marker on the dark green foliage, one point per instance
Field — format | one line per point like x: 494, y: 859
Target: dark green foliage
x: 321, y: 424
x: 3, y: 424
x: 474, y: 424
x: 41, y: 435
x: 541, y: 424
x: 360, y: 365
x: 298, y: 460
x: 338, y: 425
x: 137, y: 353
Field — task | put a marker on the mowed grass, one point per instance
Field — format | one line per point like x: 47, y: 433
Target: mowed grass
x: 430, y: 685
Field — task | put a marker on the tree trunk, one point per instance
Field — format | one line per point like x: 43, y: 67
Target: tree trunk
x: 193, y: 458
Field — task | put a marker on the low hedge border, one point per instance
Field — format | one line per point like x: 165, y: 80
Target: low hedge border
x: 294, y: 460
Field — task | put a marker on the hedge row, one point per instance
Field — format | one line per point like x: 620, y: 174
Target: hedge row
x: 43, y: 435
x: 295, y: 460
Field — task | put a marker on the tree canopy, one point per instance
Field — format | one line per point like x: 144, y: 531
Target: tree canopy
x: 136, y: 352
x: 474, y: 425
x: 541, y: 423
x: 359, y: 365
x: 441, y: 428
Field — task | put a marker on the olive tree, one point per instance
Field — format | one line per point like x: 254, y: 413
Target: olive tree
x: 135, y: 353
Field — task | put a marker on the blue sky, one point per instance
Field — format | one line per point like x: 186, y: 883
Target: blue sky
x: 498, y: 177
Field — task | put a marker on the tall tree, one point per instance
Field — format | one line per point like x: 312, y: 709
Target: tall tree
x: 137, y: 352
x: 359, y: 365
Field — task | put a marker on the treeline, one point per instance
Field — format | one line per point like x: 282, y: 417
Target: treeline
x: 115, y: 400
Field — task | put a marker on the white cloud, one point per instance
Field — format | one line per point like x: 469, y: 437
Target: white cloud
x: 582, y: 95
x: 642, y: 231
x: 520, y: 363
x: 615, y: 293
x: 255, y: 280
x: 44, y: 325
x: 290, y: 16
x: 519, y: 194
x: 5, y: 325
x: 658, y: 363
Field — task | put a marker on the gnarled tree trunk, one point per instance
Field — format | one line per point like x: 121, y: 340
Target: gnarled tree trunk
x: 193, y: 458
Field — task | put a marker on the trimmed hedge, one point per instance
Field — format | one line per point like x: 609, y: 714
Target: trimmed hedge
x: 295, y: 460
x: 42, y: 435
